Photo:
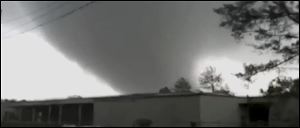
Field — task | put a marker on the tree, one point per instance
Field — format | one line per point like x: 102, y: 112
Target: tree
x: 165, y: 90
x: 295, y: 88
x: 74, y: 97
x: 274, y: 25
x: 182, y: 85
x: 282, y: 85
x: 224, y: 90
x: 210, y: 79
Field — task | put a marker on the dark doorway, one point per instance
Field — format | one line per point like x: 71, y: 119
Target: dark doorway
x: 70, y: 114
x: 54, y: 116
x: 258, y: 114
x: 87, y: 116
x: 27, y: 114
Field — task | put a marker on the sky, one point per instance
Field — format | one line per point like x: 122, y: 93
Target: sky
x: 115, y: 48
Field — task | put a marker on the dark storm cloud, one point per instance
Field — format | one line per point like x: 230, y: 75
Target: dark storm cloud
x: 140, y: 46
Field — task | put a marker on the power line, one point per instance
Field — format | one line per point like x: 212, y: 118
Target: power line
x: 36, y: 18
x: 29, y: 13
x: 53, y: 20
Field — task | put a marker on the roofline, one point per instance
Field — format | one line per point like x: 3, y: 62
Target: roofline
x: 120, y: 97
x: 126, y: 97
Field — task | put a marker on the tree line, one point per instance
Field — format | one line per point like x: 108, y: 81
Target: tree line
x: 274, y: 27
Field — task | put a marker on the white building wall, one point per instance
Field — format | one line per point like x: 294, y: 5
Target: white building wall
x: 163, y: 111
x: 220, y: 111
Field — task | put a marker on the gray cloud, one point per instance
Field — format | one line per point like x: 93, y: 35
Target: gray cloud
x: 141, y: 46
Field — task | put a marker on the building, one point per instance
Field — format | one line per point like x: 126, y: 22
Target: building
x: 190, y: 109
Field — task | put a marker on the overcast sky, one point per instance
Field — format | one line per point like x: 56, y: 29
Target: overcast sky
x: 112, y: 48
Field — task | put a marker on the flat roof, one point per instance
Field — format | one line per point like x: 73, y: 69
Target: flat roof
x: 117, y: 98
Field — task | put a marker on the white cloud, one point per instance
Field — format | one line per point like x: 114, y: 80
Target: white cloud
x: 32, y: 69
